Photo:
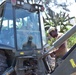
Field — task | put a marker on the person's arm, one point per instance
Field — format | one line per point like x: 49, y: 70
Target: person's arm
x: 60, y: 50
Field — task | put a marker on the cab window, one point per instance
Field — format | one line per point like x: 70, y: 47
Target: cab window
x: 6, y: 25
x: 27, y: 25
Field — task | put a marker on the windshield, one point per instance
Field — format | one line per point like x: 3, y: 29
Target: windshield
x: 27, y: 25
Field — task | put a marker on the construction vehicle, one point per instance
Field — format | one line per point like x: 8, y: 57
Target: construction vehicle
x: 22, y: 40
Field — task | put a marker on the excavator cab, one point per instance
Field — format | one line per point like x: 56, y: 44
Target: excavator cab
x: 22, y: 41
x: 22, y: 37
x: 18, y: 23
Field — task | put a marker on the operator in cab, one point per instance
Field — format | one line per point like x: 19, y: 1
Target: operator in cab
x: 29, y: 44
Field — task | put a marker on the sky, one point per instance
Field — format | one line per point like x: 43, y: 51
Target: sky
x: 72, y: 9
x: 1, y: 1
x: 71, y: 6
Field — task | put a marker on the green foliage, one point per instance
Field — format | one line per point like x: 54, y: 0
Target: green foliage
x: 51, y: 41
x: 62, y: 20
x: 71, y: 40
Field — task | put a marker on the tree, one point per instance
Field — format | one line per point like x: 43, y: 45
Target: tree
x: 62, y: 20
